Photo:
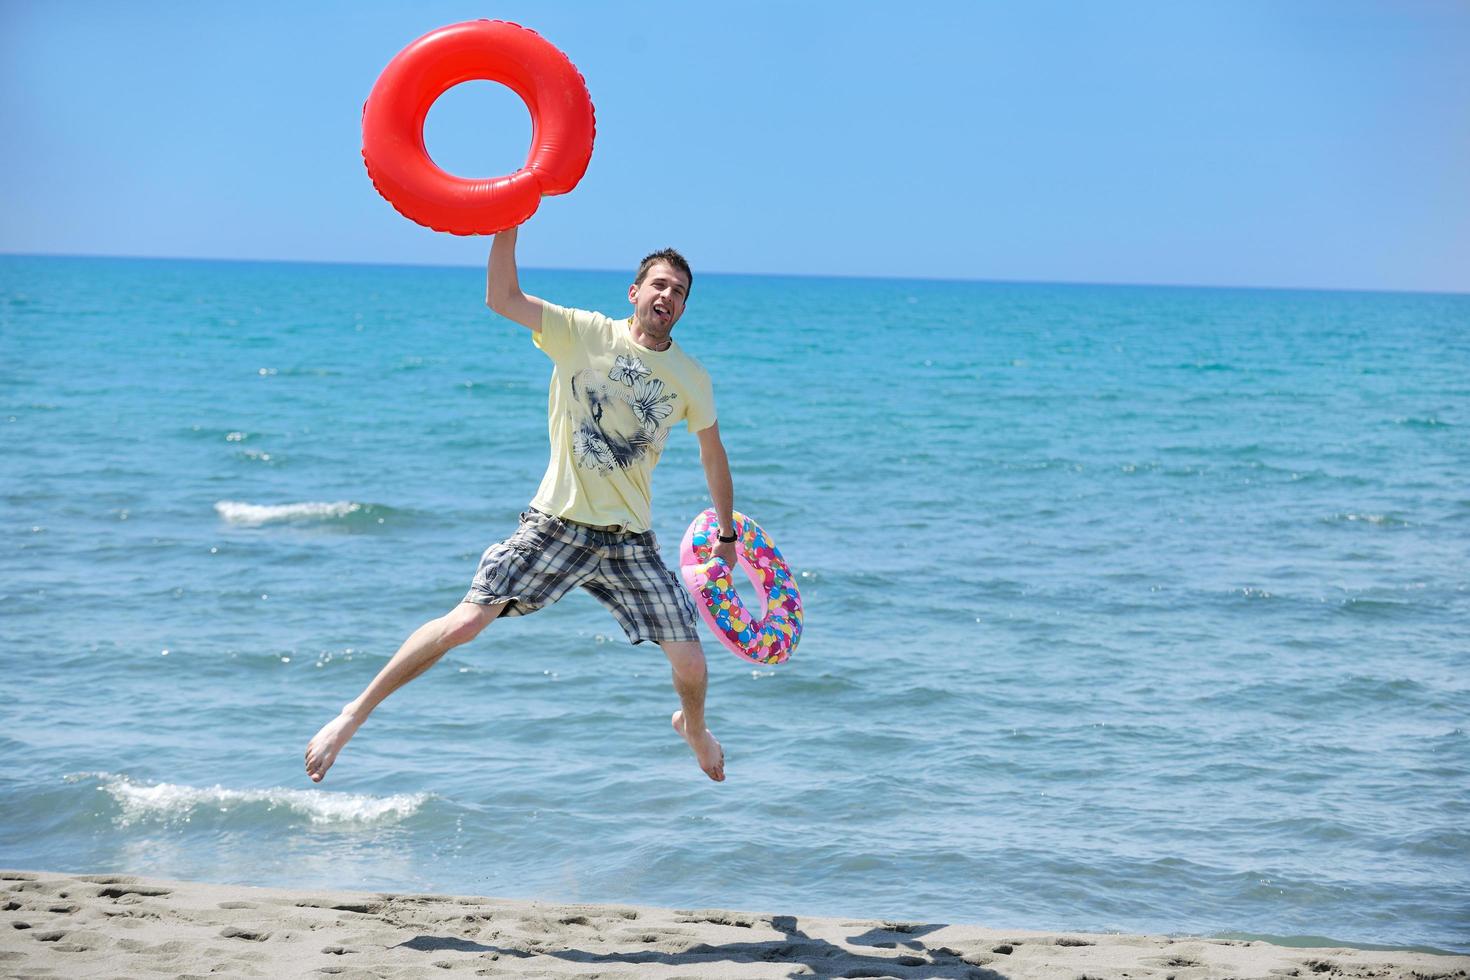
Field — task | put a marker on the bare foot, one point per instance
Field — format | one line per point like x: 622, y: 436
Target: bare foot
x: 322, y: 750
x: 707, y: 749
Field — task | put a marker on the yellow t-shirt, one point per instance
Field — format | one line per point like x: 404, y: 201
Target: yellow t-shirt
x: 611, y: 407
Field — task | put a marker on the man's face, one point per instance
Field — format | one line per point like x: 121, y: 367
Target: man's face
x: 658, y: 301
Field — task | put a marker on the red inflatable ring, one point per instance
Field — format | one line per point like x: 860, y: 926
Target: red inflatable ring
x: 562, y: 126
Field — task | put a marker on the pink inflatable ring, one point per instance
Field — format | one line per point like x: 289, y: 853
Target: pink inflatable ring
x: 767, y: 637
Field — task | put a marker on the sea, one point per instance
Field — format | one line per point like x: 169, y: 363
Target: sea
x: 1128, y: 608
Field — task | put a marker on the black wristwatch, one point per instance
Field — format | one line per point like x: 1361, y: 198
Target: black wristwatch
x: 730, y: 540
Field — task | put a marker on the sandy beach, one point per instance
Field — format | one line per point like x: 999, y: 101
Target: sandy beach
x: 108, y: 925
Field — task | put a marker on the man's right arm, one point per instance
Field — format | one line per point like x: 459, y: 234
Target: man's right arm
x: 503, y: 286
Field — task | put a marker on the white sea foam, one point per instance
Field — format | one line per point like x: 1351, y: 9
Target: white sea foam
x: 170, y: 802
x: 253, y: 515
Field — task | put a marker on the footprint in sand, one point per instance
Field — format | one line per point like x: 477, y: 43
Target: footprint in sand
x: 142, y: 891
x: 78, y: 941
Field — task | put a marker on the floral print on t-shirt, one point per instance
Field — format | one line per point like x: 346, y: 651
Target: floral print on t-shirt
x: 617, y: 420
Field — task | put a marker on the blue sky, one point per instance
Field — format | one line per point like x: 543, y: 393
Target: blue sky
x: 1318, y: 144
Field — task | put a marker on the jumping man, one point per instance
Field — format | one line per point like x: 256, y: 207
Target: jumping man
x: 618, y: 387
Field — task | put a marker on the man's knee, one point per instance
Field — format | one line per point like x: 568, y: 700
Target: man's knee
x: 465, y: 621
x: 687, y: 658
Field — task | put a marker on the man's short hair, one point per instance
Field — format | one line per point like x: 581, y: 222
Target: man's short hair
x: 669, y: 256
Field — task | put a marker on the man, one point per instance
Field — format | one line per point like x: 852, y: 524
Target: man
x: 617, y: 389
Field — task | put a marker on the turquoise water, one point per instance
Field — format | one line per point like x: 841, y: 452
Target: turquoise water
x: 1128, y: 608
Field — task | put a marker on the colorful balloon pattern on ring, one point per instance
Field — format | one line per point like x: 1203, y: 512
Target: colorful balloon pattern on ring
x: 765, y: 637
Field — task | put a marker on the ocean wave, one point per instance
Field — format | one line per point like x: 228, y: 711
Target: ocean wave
x: 1384, y: 520
x: 254, y: 515
x: 1376, y: 608
x: 1428, y: 422
x: 170, y: 802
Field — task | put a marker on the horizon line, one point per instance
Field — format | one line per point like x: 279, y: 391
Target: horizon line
x: 775, y: 275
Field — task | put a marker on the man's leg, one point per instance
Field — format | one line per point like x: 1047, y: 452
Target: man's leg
x: 691, y: 678
x: 419, y: 652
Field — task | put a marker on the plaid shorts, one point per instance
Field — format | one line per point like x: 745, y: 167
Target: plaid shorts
x: 547, y: 556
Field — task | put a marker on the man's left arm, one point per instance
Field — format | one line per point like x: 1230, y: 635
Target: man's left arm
x: 721, y: 487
